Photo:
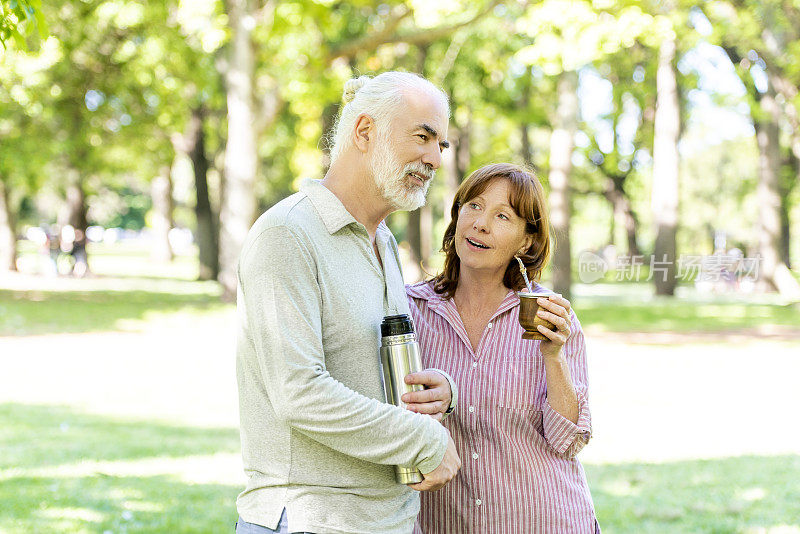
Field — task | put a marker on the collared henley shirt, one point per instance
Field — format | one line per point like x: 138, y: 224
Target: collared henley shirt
x: 317, y: 436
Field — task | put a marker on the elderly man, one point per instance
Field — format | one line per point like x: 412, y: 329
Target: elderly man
x: 317, y: 274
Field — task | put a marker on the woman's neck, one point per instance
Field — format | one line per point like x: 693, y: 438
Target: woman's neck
x: 478, y: 290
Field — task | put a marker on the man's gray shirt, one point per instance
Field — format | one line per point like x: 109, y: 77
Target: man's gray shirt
x: 317, y: 435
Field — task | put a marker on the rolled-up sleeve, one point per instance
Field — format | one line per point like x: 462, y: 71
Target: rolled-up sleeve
x: 282, y: 303
x: 564, y: 436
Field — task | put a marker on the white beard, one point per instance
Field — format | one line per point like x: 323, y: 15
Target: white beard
x: 394, y: 183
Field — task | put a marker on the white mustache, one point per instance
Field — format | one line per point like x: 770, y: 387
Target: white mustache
x: 419, y: 168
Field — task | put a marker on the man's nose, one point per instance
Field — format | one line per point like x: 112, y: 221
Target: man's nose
x: 433, y: 157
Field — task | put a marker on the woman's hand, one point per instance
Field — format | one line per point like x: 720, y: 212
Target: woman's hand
x: 556, y: 310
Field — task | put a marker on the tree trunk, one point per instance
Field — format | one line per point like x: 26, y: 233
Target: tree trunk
x: 452, y: 176
x: 773, y: 272
x: 426, y: 235
x: 239, y: 204
x: 665, y: 171
x: 561, y: 146
x: 785, y: 241
x: 463, y: 154
x: 526, y: 147
x: 206, y: 231
x: 73, y: 212
x: 623, y: 213
x: 414, y: 237
x: 787, y: 184
x: 8, y: 235
x: 161, y: 193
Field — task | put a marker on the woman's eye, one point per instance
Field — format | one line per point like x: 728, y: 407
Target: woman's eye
x: 473, y: 205
x: 503, y: 216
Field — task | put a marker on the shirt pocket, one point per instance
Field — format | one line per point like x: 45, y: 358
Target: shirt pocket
x: 523, y: 383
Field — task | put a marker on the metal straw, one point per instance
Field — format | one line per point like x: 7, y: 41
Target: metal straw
x: 524, y: 272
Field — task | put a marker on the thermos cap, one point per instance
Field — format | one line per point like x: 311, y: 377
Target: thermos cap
x: 396, y: 325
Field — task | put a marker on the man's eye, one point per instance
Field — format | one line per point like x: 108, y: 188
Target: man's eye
x: 423, y: 137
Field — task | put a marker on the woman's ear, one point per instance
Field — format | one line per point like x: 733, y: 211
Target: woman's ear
x: 528, y: 243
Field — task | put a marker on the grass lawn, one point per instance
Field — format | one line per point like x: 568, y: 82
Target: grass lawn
x: 743, y: 494
x: 632, y: 307
x: 66, y: 470
x: 126, y: 292
x: 63, y: 471
x: 38, y: 311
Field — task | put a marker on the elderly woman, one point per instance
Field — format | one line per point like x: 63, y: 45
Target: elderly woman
x: 522, y: 413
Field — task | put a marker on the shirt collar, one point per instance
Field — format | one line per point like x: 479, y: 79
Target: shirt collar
x: 438, y: 303
x: 330, y: 208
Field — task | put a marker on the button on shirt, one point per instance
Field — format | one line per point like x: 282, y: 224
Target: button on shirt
x: 523, y: 476
x: 317, y: 436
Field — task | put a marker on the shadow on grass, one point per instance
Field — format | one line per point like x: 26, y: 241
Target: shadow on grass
x: 39, y: 436
x: 741, y: 494
x: 49, y: 312
x: 34, y: 438
x: 115, y: 504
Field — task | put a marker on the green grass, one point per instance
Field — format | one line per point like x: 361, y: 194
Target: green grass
x: 126, y: 292
x: 44, y: 446
x: 742, y: 494
x: 633, y: 308
x: 674, y: 315
x: 121, y: 259
x: 44, y: 488
x: 63, y: 470
x: 49, y: 312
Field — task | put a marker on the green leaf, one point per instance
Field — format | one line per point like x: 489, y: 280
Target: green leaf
x: 41, y: 24
x: 18, y: 39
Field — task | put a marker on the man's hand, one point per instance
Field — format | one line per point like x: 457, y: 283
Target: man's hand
x: 434, y: 399
x: 443, y: 474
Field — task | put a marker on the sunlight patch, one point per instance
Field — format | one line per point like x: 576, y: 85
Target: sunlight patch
x: 143, y: 506
x: 81, y: 514
x: 621, y: 488
x: 752, y: 494
x: 777, y: 529
x: 220, y: 468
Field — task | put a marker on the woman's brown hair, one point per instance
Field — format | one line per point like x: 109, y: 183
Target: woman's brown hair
x: 527, y: 199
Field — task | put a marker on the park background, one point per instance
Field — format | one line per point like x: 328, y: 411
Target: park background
x: 666, y: 136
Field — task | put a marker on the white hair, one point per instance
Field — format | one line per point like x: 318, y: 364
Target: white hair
x: 380, y: 98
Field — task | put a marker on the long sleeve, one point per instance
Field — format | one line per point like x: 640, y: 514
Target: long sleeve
x: 565, y: 437
x: 283, y: 307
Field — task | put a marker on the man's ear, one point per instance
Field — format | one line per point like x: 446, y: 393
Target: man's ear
x: 363, y: 132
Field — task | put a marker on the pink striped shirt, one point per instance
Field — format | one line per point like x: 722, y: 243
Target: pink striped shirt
x: 519, y: 472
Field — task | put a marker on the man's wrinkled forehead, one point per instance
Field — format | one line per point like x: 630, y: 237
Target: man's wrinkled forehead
x: 425, y: 107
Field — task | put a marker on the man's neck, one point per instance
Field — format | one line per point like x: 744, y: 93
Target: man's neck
x: 360, y: 196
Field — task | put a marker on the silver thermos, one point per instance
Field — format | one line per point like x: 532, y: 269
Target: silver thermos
x: 400, y: 356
